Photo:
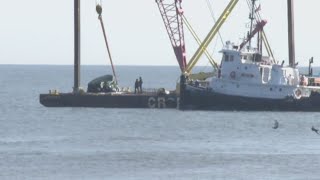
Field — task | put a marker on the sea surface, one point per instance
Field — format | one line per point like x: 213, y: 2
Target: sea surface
x: 40, y: 143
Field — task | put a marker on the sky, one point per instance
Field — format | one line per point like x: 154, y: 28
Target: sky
x: 41, y: 31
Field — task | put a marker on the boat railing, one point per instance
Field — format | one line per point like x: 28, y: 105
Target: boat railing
x: 149, y: 90
x: 156, y: 91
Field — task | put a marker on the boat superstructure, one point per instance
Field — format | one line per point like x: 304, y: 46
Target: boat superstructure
x: 249, y: 74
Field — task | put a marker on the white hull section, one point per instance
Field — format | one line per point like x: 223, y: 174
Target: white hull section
x: 252, y: 90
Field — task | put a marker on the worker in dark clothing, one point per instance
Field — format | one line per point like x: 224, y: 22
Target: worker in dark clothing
x: 197, y: 83
x: 140, y: 84
x: 136, y: 86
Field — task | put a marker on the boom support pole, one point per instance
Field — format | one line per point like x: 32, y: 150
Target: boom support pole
x: 291, y: 34
x: 211, y: 35
x: 99, y: 11
x: 108, y: 48
x: 76, y: 46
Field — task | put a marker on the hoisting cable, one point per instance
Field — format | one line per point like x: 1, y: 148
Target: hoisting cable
x: 214, y: 19
x: 99, y: 11
x: 211, y: 60
x: 223, y: 17
x: 214, y: 48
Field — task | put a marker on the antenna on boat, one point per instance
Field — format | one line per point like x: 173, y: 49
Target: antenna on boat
x: 76, y: 46
x: 99, y: 11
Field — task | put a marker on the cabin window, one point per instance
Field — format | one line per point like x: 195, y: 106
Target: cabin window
x: 245, y: 57
x: 226, y: 58
x: 231, y: 58
x: 257, y: 57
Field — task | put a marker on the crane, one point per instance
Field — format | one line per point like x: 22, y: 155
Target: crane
x: 99, y: 11
x: 171, y: 15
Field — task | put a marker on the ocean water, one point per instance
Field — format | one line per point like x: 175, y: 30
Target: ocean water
x: 141, y: 144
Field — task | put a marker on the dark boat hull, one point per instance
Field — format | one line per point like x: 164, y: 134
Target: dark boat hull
x: 208, y: 100
x: 108, y: 100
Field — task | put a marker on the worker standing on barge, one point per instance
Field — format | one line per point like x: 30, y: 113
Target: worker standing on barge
x: 136, y: 86
x: 140, y: 84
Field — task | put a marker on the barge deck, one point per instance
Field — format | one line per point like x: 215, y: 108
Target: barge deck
x: 110, y: 100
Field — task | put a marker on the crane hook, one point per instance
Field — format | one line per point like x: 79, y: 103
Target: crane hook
x: 99, y: 9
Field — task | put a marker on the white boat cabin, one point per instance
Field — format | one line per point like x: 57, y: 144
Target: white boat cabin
x: 248, y: 73
x: 251, y: 67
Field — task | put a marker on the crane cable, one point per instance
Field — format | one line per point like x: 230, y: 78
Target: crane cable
x: 214, y: 30
x: 211, y: 60
x: 213, y: 17
x: 209, y: 5
x: 99, y: 11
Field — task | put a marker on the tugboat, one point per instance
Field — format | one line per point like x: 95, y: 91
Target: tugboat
x: 247, y: 80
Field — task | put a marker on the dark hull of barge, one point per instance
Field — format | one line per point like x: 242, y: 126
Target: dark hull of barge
x: 109, y: 100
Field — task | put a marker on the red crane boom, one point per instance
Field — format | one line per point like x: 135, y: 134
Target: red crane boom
x: 171, y: 15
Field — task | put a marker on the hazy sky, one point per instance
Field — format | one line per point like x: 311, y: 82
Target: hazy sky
x: 41, y: 31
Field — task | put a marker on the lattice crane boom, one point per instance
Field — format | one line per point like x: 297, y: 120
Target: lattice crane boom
x: 171, y: 16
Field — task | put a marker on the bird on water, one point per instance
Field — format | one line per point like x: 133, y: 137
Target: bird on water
x: 315, y: 130
x: 276, y: 124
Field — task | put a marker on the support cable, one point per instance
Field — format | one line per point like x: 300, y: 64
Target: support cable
x: 211, y: 60
x: 211, y: 34
x: 214, y: 19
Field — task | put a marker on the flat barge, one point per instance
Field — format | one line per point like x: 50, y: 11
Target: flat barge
x: 110, y: 100
x: 114, y: 99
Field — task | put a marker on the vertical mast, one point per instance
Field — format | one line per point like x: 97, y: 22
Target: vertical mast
x: 251, y: 17
x: 291, y: 33
x: 76, y: 46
